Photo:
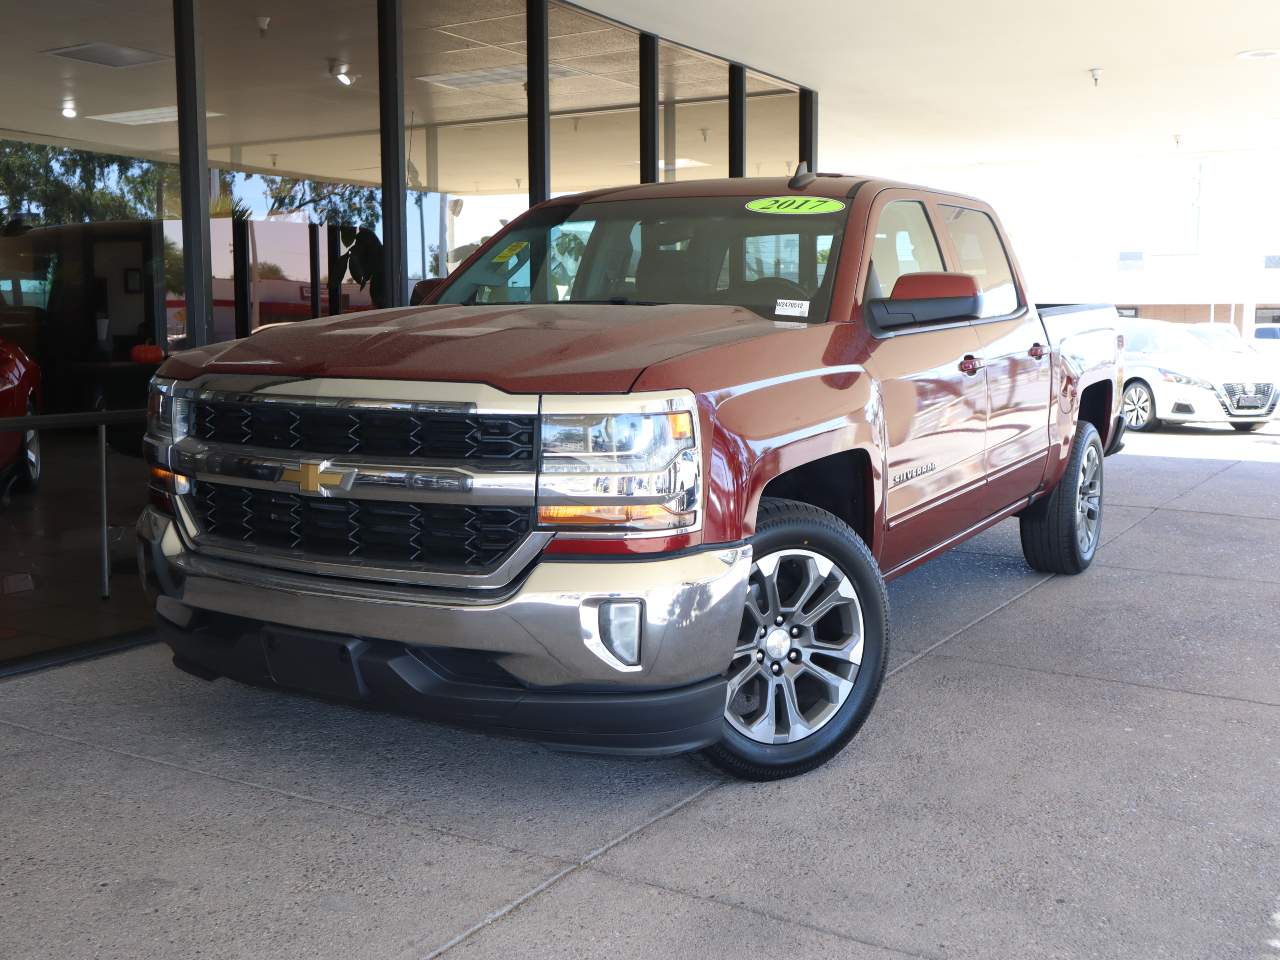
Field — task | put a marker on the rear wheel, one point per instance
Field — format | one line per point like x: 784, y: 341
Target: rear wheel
x: 812, y: 648
x: 1139, y: 407
x: 1060, y: 531
x: 29, y: 461
x: 1247, y: 427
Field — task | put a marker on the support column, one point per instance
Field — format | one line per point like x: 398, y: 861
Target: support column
x: 193, y: 171
x: 395, y: 240
x: 648, y: 108
x: 737, y: 120
x: 809, y: 128
x: 539, y: 93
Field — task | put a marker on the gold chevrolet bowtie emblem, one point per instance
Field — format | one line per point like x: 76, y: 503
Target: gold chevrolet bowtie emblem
x: 310, y: 478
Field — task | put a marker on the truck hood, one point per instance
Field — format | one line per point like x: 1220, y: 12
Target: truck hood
x: 566, y: 348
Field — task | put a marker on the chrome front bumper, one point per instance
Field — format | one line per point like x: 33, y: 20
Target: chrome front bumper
x: 543, y: 630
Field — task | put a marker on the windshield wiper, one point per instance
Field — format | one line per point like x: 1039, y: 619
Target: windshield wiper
x: 621, y: 302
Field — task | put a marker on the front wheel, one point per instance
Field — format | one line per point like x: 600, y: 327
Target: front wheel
x: 1060, y: 531
x: 1247, y: 427
x: 812, y: 648
x: 1139, y: 407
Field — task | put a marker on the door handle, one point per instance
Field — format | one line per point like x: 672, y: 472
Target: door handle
x: 971, y: 365
x: 1038, y: 351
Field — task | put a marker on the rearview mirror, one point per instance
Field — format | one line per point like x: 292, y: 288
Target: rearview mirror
x: 423, y: 289
x: 919, y: 298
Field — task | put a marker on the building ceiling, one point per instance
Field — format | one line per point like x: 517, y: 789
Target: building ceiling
x: 988, y: 80
x: 274, y: 103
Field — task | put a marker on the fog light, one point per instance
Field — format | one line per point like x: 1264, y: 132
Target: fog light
x: 620, y: 629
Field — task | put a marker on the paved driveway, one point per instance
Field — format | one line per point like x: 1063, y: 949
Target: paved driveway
x: 1058, y: 767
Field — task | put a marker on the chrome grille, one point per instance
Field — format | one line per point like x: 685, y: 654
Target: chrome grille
x: 1258, y: 398
x: 385, y: 432
x: 460, y: 537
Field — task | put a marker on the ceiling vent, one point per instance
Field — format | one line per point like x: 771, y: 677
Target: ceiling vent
x: 108, y: 55
x: 495, y: 76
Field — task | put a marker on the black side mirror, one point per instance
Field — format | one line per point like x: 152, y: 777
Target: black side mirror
x: 423, y: 289
x: 922, y: 298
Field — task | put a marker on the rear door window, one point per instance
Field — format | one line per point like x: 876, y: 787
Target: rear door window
x: 903, y: 243
x: 982, y: 256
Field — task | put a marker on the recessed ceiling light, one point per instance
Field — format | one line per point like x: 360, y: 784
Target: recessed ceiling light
x: 138, y: 118
x: 1266, y: 53
x: 108, y: 55
x: 69, y: 111
x: 341, y: 72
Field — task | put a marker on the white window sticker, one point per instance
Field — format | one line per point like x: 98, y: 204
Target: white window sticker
x: 792, y: 308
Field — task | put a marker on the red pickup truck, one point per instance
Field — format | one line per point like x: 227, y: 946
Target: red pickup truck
x: 634, y: 479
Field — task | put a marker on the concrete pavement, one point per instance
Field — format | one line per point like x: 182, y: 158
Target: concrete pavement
x: 1057, y: 767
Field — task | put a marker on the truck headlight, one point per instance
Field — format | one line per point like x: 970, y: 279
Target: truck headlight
x: 619, y: 471
x: 167, y: 411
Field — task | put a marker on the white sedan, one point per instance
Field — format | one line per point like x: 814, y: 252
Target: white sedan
x: 1176, y: 373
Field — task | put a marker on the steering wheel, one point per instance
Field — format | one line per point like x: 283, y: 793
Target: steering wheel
x: 778, y: 288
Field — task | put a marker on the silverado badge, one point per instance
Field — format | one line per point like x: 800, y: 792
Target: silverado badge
x: 913, y: 472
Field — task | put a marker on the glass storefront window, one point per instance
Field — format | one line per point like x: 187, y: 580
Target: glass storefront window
x: 693, y: 114
x: 773, y: 127
x: 88, y: 190
x: 595, y: 102
x: 466, y: 141
x: 293, y: 140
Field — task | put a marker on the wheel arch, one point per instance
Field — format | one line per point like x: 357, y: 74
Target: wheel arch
x: 1096, y: 404
x: 843, y: 483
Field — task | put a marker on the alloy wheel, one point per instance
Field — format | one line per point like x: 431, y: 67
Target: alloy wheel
x: 1136, y: 406
x: 1089, y: 501
x: 799, y: 649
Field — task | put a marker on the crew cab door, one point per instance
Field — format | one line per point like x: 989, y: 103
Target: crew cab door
x: 1014, y: 348
x: 934, y: 393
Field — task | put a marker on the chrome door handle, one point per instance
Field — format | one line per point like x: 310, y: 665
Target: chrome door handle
x: 971, y: 365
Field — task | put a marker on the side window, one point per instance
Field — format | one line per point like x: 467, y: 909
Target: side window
x: 903, y: 243
x: 982, y: 256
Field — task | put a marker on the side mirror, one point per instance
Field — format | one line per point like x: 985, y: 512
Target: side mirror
x: 920, y: 298
x: 423, y: 289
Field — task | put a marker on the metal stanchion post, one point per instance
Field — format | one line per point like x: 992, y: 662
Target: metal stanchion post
x: 106, y: 530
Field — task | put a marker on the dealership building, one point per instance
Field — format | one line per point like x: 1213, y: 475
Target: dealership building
x: 181, y: 173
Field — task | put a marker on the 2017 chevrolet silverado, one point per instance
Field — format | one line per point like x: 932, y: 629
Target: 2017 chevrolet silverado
x: 634, y: 479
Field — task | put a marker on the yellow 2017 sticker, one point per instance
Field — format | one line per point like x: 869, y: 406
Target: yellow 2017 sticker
x: 795, y: 205
x: 509, y: 251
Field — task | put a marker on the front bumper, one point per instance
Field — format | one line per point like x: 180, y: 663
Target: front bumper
x: 1184, y: 403
x: 528, y: 663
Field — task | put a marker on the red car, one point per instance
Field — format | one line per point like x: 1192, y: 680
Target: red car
x: 19, y: 395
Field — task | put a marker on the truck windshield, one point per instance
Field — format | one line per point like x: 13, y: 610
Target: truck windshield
x: 768, y: 254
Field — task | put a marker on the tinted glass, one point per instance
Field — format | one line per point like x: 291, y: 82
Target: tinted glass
x: 903, y: 243
x: 1222, y: 338
x: 704, y: 251
x: 982, y: 256
x: 1157, y: 337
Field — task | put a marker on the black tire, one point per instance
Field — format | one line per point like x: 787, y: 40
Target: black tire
x: 27, y: 471
x: 1051, y: 527
x: 787, y: 524
x: 1140, y: 389
x: 1247, y: 427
